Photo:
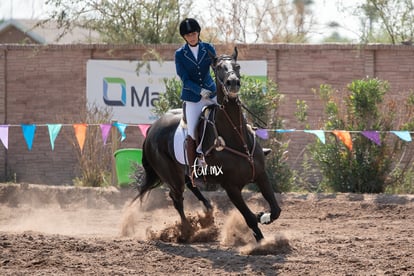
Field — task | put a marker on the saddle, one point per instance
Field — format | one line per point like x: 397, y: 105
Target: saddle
x: 201, y: 126
x: 207, y: 116
x: 204, y: 118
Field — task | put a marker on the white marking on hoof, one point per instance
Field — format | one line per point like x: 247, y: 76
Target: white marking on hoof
x: 265, y: 218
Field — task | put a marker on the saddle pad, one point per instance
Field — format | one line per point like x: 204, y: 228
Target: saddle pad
x: 179, y: 139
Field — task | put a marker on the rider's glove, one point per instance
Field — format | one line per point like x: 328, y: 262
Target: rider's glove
x: 205, y: 93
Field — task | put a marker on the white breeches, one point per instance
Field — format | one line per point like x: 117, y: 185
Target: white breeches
x: 192, y: 113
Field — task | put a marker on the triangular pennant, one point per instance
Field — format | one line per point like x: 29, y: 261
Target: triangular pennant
x: 284, y: 130
x: 144, y: 128
x: 4, y: 135
x: 262, y: 133
x: 28, y: 133
x: 53, y: 133
x: 121, y: 128
x: 319, y: 133
x: 403, y: 135
x: 105, y: 128
x: 345, y: 137
x: 372, y: 135
x: 80, y: 133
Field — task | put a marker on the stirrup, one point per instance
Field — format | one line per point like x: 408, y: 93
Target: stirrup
x: 201, y: 161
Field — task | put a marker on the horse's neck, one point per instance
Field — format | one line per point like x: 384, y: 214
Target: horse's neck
x: 230, y: 120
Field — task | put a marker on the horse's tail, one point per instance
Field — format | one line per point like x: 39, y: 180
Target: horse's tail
x: 150, y: 181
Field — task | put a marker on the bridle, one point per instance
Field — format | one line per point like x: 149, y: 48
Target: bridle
x: 220, y: 144
x: 227, y: 94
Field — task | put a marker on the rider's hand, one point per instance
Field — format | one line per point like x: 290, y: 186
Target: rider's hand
x: 205, y: 93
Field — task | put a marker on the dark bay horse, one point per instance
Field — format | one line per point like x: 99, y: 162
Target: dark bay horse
x: 229, y: 146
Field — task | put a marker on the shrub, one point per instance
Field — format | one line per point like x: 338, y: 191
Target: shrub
x: 171, y: 98
x: 94, y: 162
x: 368, y: 167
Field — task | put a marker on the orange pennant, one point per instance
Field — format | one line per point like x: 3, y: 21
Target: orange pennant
x: 80, y: 133
x: 345, y: 137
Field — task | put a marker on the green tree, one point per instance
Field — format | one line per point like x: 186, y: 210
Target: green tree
x: 122, y: 21
x: 245, y: 21
x: 389, y: 21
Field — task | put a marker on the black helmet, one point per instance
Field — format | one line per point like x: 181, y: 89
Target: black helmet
x: 189, y: 25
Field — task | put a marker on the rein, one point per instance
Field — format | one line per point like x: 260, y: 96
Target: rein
x: 262, y: 124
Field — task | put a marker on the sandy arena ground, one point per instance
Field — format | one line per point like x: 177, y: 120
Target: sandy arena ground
x: 55, y: 230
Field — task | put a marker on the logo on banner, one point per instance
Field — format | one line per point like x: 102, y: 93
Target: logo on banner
x: 114, y: 91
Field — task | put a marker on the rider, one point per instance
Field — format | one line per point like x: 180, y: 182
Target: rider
x: 192, y: 62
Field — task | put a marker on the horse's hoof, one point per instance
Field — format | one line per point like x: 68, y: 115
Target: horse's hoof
x: 264, y: 218
x: 266, y: 151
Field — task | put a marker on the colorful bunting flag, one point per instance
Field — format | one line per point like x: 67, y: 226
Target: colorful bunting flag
x: 403, y: 135
x: 121, y: 128
x: 372, y: 135
x: 80, y: 133
x: 262, y: 133
x: 345, y: 137
x: 4, y: 135
x: 319, y: 133
x: 105, y: 129
x: 284, y: 130
x: 53, y: 133
x: 28, y: 133
x: 144, y: 128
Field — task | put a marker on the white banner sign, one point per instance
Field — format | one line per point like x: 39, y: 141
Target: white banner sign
x: 131, y: 96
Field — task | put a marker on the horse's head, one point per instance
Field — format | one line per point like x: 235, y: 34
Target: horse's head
x: 227, y: 72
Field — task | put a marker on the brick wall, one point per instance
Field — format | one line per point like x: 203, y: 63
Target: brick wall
x: 47, y: 84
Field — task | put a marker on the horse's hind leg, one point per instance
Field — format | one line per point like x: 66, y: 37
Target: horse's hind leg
x: 198, y: 194
x: 236, y: 197
x: 176, y: 194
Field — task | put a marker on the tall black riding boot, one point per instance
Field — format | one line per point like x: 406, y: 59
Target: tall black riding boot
x: 191, y: 154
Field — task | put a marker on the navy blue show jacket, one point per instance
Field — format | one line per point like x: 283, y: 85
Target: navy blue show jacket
x: 195, y: 74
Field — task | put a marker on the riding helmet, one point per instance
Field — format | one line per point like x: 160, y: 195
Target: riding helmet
x: 189, y: 25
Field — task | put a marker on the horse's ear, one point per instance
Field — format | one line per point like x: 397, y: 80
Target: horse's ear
x: 235, y: 53
x: 213, y: 58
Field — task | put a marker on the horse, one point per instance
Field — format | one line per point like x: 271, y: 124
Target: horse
x: 230, y: 148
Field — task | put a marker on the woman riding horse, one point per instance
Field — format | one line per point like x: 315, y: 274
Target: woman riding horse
x: 192, y: 62
x: 228, y: 144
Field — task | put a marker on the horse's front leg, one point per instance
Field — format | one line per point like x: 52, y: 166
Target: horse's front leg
x: 267, y: 192
x: 236, y: 197
x: 196, y: 191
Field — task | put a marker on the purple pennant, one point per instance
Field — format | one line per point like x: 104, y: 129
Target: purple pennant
x: 372, y: 135
x: 105, y: 128
x: 4, y: 135
x: 262, y: 133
